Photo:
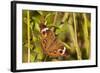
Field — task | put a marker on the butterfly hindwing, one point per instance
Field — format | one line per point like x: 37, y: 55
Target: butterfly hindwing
x: 55, y: 48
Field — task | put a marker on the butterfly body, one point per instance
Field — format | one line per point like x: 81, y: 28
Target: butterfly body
x: 50, y: 44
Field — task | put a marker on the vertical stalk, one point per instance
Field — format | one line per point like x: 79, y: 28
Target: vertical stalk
x: 55, y: 18
x: 54, y: 22
x: 65, y: 17
x: 28, y: 34
x: 75, y: 35
x: 85, y: 32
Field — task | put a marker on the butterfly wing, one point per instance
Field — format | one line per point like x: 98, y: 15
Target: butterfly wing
x: 56, y: 49
x: 50, y: 38
x: 51, y: 45
x: 46, y: 41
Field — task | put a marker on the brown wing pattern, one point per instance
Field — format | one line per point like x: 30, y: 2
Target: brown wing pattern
x: 46, y: 41
x: 55, y: 48
x: 50, y: 38
x: 51, y: 45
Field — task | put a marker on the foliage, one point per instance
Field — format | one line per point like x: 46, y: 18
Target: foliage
x: 73, y: 29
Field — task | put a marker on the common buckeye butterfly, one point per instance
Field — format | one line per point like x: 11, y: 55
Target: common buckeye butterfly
x: 50, y: 44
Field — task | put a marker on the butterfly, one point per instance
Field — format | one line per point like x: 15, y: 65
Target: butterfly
x: 50, y: 44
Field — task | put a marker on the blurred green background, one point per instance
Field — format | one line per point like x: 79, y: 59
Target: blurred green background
x: 72, y: 28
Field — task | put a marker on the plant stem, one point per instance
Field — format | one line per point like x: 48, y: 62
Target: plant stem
x: 67, y: 46
x: 65, y: 17
x: 55, y: 18
x: 85, y: 32
x: 54, y: 22
x: 45, y: 58
x: 75, y: 35
x: 28, y: 34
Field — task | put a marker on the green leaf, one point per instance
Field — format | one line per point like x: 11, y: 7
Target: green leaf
x: 39, y: 52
